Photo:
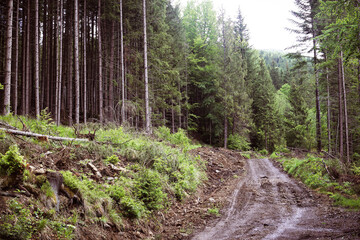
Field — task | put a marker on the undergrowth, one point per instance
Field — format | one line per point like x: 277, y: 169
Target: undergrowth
x: 159, y: 170
x: 313, y: 173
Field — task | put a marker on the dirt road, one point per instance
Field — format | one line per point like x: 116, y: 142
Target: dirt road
x: 267, y: 204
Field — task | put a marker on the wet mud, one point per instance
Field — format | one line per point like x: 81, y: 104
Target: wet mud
x: 268, y: 204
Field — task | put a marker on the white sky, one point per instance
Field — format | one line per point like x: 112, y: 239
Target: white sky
x: 266, y: 21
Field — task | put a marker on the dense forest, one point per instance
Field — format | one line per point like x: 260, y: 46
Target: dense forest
x: 146, y: 64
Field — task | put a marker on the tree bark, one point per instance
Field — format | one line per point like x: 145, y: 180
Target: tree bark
x: 122, y: 66
x: 111, y: 73
x: 100, y: 65
x: 328, y: 109
x: 84, y: 67
x: 7, y: 84
x: 27, y: 78
x: 16, y: 69
x: 37, y: 64
x: 77, y: 72
x: 341, y: 131
x: 345, y: 109
x: 147, y: 107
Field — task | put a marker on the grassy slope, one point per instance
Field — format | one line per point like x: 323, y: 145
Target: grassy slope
x: 343, y: 189
x: 139, y: 175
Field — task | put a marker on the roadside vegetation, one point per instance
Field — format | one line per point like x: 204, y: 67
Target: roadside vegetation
x: 328, y: 176
x: 121, y: 176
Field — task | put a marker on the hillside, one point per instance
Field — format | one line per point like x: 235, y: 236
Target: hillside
x: 122, y: 185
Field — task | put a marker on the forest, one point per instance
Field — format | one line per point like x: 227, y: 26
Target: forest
x: 147, y: 64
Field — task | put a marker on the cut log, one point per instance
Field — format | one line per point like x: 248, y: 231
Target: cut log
x: 41, y: 136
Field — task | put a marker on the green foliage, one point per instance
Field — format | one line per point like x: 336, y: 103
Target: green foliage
x: 238, y: 142
x: 12, y: 162
x: 311, y: 171
x: 246, y: 155
x: 44, y: 123
x: 214, y: 211
x: 355, y: 169
x: 133, y: 208
x: 179, y: 138
x: 20, y: 223
x: 112, y: 159
x: 263, y: 152
x: 1, y: 86
x: 148, y: 188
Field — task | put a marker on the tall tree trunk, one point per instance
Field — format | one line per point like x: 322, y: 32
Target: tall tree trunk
x: 59, y: 59
x: 77, y: 72
x: 341, y: 131
x: 147, y: 107
x: 27, y: 80
x: 16, y: 69
x: 122, y: 66
x: 37, y: 61
x: 317, y: 97
x: 7, y: 93
x: 70, y: 62
x: 100, y: 65
x: 111, y: 72
x: 84, y: 56
x: 328, y: 109
x: 345, y: 109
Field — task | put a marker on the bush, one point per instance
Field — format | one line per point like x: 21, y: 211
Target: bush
x: 238, y: 142
x: 179, y: 138
x: 12, y: 162
x: 264, y: 152
x: 148, y: 188
x: 112, y: 159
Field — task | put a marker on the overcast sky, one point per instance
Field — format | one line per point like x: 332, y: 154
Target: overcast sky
x: 266, y: 21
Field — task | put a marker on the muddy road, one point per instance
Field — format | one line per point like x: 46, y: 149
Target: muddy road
x: 268, y: 204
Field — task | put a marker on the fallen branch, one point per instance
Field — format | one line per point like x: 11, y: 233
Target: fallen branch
x: 41, y: 136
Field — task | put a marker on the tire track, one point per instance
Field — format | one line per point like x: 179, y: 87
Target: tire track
x: 267, y: 204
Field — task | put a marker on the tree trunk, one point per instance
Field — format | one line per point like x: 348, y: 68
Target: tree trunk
x: 122, y: 66
x: 84, y: 56
x: 225, y: 131
x: 345, y: 109
x: 111, y: 73
x: 77, y: 71
x: 317, y: 99
x: 328, y: 109
x: 341, y: 133
x: 100, y: 65
x: 27, y: 79
x: 37, y: 64
x: 147, y: 107
x: 7, y: 84
x: 16, y: 70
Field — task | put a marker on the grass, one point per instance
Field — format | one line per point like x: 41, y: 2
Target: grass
x: 159, y: 169
x: 312, y: 172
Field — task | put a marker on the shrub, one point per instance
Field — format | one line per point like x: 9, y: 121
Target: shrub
x: 264, y: 152
x: 148, y: 188
x: 112, y: 159
x: 238, y: 142
x: 12, y: 162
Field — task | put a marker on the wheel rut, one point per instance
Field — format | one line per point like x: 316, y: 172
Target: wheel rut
x: 268, y: 204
